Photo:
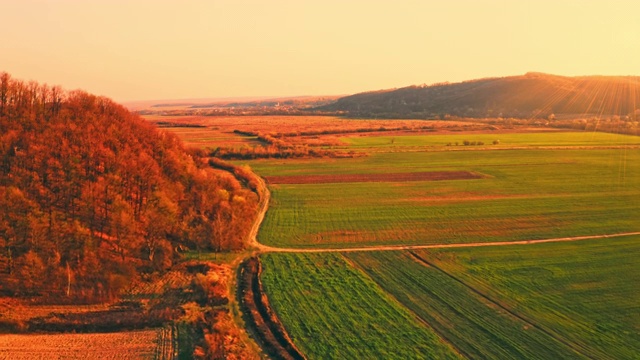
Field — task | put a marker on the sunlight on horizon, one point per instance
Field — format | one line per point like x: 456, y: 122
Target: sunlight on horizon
x: 137, y: 50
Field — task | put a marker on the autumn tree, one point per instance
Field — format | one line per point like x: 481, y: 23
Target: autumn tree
x: 91, y: 195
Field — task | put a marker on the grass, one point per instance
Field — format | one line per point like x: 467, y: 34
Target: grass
x: 412, y: 161
x: 585, y: 292
x: 333, y: 311
x: 506, y: 140
x: 556, y: 300
x: 466, y: 319
x: 527, y: 194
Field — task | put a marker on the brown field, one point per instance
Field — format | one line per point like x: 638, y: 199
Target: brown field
x: 210, y: 137
x: 293, y: 124
x: 16, y: 310
x: 123, y: 345
x: 217, y: 131
x: 384, y: 177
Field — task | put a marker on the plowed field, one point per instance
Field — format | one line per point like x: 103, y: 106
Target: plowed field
x: 121, y: 345
x: 379, y: 177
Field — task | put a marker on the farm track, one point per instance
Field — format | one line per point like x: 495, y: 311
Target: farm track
x: 265, y: 196
x: 272, y: 335
x: 265, y: 248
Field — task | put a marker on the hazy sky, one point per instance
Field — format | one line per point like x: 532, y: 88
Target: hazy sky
x: 156, y: 49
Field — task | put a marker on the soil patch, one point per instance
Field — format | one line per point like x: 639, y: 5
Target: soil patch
x: 141, y: 344
x: 381, y: 177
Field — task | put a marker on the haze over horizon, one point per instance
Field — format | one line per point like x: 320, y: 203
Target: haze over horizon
x: 150, y: 50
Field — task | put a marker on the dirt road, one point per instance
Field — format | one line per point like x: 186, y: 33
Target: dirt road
x: 265, y: 248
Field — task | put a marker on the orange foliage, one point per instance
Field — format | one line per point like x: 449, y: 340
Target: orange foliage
x: 92, y: 195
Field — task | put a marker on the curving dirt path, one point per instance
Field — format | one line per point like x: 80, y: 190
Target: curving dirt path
x: 265, y: 248
x: 265, y: 197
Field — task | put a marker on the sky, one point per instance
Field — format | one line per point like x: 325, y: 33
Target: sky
x: 152, y: 50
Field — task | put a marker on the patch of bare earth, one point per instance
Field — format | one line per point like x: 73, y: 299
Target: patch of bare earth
x: 16, y: 310
x: 380, y: 177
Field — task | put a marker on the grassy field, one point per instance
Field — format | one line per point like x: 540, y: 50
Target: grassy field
x: 526, y: 194
x: 584, y: 292
x: 545, y: 301
x: 556, y: 300
x: 466, y: 319
x: 333, y: 311
x: 504, y: 140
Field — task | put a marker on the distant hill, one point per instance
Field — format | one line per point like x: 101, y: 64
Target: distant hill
x: 533, y: 95
x: 231, y: 106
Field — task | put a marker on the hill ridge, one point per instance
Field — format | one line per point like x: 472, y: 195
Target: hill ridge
x: 532, y: 95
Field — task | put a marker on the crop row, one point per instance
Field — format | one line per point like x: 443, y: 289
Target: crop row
x: 462, y: 316
x: 332, y: 311
x: 586, y: 292
x: 553, y: 300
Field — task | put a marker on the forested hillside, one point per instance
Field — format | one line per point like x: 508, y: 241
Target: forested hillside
x: 92, y: 197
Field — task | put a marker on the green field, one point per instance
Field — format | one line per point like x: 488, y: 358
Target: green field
x: 544, y: 301
x: 585, y: 292
x: 547, y: 139
x: 466, y: 319
x: 397, y: 157
x: 333, y: 311
x: 526, y: 194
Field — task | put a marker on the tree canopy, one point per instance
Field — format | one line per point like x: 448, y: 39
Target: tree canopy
x: 92, y: 196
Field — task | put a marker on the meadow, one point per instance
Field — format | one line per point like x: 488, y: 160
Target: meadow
x: 555, y: 300
x: 544, y: 301
x: 333, y: 311
x: 583, y: 292
x: 547, y: 138
x: 523, y: 195
x: 466, y: 319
